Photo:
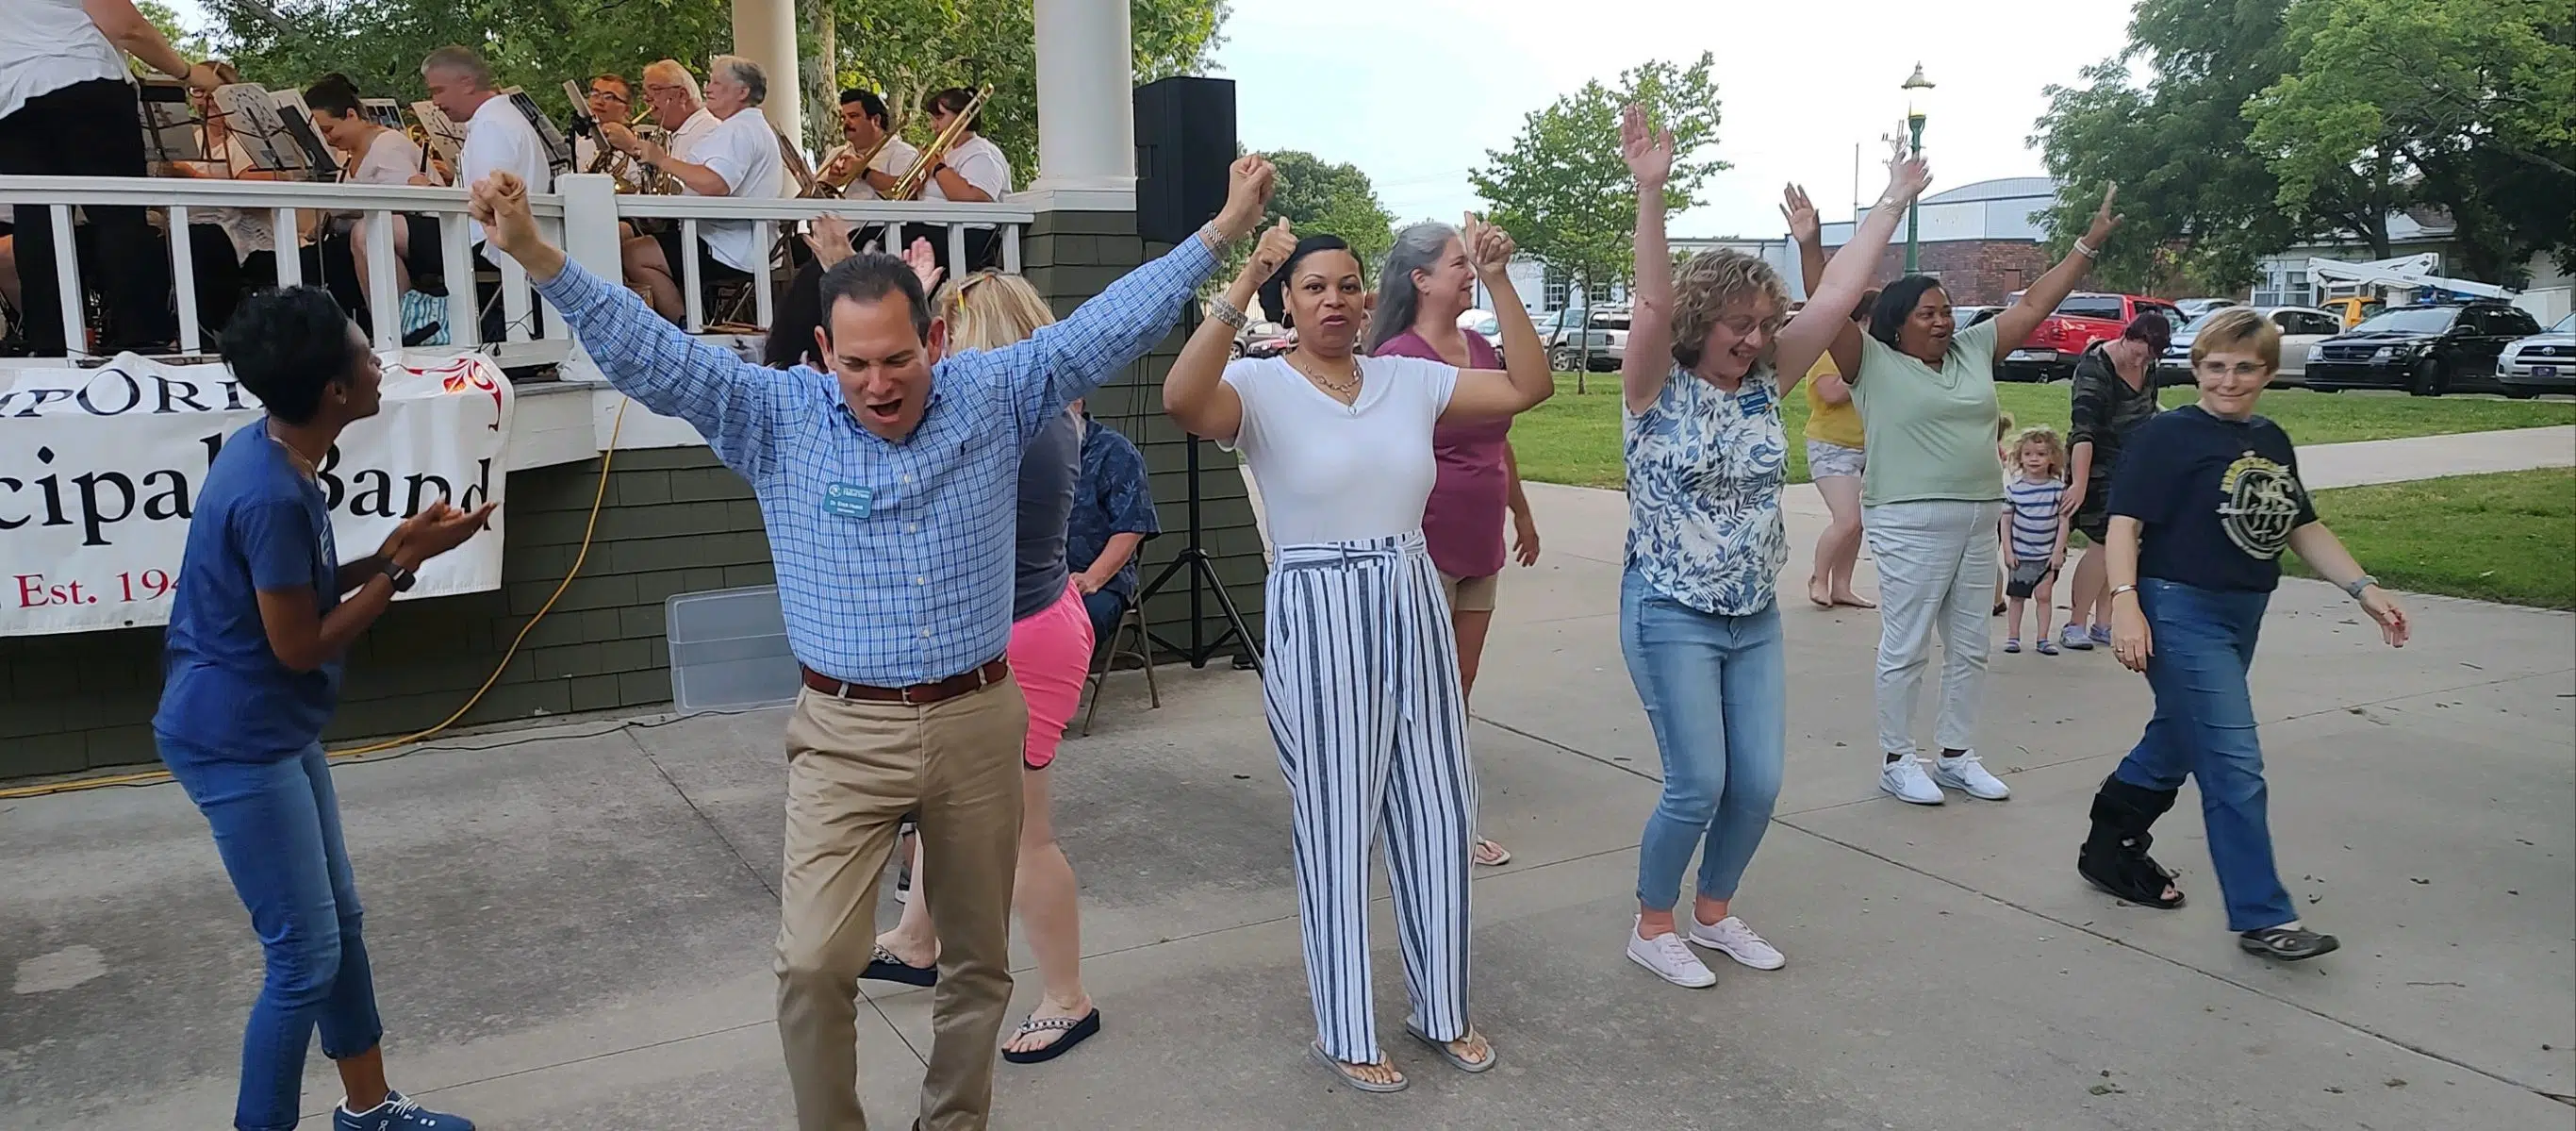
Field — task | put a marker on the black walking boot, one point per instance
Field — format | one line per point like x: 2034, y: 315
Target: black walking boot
x: 2114, y: 857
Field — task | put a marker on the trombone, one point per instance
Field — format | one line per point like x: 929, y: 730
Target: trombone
x: 824, y: 186
x: 918, y: 177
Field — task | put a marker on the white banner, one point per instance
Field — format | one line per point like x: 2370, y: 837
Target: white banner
x: 100, y: 468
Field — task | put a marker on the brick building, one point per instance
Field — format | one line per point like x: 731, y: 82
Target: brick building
x: 1983, y: 241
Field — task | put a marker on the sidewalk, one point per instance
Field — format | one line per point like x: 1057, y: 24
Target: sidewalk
x: 571, y: 928
x: 2431, y: 457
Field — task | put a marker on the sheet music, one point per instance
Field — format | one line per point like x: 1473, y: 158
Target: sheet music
x: 444, y: 139
x: 382, y: 111
x: 252, y: 117
x: 297, y: 118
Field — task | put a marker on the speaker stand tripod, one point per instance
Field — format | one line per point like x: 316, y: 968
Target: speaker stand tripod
x: 1203, y: 580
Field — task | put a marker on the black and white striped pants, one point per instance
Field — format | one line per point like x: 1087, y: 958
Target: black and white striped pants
x: 1361, y: 685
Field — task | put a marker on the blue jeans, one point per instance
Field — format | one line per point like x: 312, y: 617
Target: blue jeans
x: 277, y: 827
x: 2203, y: 644
x: 1716, y: 689
x: 1104, y: 608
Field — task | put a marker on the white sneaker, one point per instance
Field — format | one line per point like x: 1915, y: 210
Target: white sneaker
x: 1730, y: 937
x: 1670, y: 959
x: 1905, y: 779
x: 1968, y: 775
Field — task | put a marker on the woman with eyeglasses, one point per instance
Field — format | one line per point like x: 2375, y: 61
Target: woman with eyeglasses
x: 1710, y: 354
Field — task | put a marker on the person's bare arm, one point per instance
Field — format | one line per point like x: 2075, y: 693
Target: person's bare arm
x: 129, y: 31
x: 2014, y: 325
x: 1524, y: 379
x: 1194, y: 392
x: 1831, y: 388
x: 1515, y: 500
x: 2131, y: 641
x: 2326, y: 554
x: 1648, y: 361
x: 304, y: 639
x: 957, y: 188
x: 1829, y: 305
x: 1113, y: 557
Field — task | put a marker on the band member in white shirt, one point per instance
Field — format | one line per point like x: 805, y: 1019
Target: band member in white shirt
x: 671, y: 92
x: 498, y: 138
x: 863, y: 124
x: 972, y: 171
x: 739, y: 158
x: 376, y: 155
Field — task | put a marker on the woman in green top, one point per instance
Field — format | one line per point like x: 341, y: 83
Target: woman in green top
x: 1930, y: 499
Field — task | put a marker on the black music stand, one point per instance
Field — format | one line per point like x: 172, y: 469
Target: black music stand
x: 169, y: 123
x: 1202, y: 575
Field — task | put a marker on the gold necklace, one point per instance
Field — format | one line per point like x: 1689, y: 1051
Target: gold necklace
x: 303, y: 466
x: 1344, y: 390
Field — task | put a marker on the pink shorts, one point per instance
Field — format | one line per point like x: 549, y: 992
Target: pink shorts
x: 1051, y: 653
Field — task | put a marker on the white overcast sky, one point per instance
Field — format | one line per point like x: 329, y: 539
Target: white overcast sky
x: 1415, y: 91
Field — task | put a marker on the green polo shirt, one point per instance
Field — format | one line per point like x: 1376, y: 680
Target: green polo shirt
x: 1930, y: 432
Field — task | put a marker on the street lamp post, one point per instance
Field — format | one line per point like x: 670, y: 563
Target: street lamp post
x: 1914, y: 133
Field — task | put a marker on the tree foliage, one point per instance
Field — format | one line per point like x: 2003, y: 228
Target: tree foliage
x: 905, y: 47
x: 2239, y: 128
x: 1562, y: 190
x: 1319, y: 196
x: 2473, y: 102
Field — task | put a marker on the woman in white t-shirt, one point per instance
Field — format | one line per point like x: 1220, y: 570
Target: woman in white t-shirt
x: 376, y: 156
x: 1361, y: 678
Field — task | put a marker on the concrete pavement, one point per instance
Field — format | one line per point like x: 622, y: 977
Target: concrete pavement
x: 2431, y: 457
x: 571, y: 927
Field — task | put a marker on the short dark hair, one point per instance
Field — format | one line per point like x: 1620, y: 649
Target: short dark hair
x: 2151, y: 328
x: 333, y: 92
x: 954, y: 100
x: 1274, y: 290
x: 873, y: 106
x: 286, y: 346
x: 612, y: 76
x: 1896, y: 304
x: 870, y: 277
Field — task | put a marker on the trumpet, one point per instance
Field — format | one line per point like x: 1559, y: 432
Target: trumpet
x: 918, y: 177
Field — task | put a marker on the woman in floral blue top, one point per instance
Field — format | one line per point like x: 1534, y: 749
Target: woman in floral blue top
x: 1708, y: 360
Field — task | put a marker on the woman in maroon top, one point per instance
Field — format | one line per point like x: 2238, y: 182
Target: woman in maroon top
x: 1426, y: 286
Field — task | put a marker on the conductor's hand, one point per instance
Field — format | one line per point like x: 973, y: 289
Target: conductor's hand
x: 1247, y: 197
x: 500, y: 203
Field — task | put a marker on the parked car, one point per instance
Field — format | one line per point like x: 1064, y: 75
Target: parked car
x: 1607, y: 328
x: 1966, y: 316
x: 1483, y: 324
x: 2302, y: 327
x: 2353, y: 309
x: 1264, y: 338
x: 2049, y: 354
x: 2542, y: 363
x: 2426, y: 350
x: 2195, y: 307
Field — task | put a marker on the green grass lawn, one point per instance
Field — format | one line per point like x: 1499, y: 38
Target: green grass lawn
x: 2507, y: 537
x: 1574, y: 438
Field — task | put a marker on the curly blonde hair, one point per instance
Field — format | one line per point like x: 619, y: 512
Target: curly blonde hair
x: 2049, y: 444
x: 1707, y: 286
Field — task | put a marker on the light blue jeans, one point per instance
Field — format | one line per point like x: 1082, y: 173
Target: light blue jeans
x: 1716, y: 690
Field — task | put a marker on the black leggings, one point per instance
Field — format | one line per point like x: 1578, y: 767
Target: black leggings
x: 130, y: 271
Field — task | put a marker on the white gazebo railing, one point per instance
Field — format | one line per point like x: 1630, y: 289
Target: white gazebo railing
x: 582, y: 217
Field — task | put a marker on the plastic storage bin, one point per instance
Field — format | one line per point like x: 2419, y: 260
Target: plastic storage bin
x: 729, y: 651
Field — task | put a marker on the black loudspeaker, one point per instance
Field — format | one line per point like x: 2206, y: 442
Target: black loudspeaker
x: 1184, y: 145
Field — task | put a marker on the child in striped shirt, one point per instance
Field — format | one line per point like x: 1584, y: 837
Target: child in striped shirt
x: 2034, y: 533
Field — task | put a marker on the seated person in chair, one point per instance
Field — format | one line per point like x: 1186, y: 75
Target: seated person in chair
x: 1113, y: 515
x: 739, y: 158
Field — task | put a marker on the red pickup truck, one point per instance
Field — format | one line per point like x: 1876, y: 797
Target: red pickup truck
x: 2050, y: 353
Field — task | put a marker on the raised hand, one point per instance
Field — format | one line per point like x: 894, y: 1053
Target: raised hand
x: 1800, y: 212
x: 829, y: 236
x: 1489, y: 248
x: 1273, y: 250
x: 500, y: 203
x: 924, y: 263
x: 1906, y: 180
x: 1649, y: 155
x: 1247, y: 196
x: 2104, y: 220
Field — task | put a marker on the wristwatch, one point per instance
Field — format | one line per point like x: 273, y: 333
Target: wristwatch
x: 2358, y: 584
x: 401, y: 577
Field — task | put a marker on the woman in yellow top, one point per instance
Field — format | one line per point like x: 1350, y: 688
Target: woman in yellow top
x: 1834, y: 462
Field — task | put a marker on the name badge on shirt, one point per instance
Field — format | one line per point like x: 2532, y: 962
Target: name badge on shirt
x: 1755, y: 398
x: 849, y: 500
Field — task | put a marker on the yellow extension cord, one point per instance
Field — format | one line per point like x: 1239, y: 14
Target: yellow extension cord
x: 155, y: 777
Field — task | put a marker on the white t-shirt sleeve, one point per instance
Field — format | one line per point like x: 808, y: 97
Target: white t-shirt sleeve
x: 390, y: 160
x: 1246, y: 376
x: 983, y: 166
x: 728, y: 154
x: 1433, y: 381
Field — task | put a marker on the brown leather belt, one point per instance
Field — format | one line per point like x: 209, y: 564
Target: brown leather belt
x: 992, y: 672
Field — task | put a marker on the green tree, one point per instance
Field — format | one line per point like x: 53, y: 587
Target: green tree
x: 1562, y: 190
x: 2472, y: 103
x: 180, y: 35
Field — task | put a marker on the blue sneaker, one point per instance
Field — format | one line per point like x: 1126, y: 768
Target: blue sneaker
x: 397, y: 1113
x: 2074, y: 638
x: 2101, y: 636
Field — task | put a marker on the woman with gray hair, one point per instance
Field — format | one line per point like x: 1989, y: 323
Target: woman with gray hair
x: 1427, y: 284
x: 740, y: 157
x: 1710, y: 353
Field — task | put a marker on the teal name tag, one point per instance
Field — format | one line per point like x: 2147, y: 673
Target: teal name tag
x: 848, y: 500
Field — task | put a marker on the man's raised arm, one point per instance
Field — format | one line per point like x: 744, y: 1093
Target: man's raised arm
x: 731, y: 402
x: 1064, y: 362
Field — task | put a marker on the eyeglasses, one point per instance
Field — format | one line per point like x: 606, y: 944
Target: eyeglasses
x: 608, y: 95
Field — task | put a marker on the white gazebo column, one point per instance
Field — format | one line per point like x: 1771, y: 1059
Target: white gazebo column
x: 1086, y: 106
x: 764, y: 31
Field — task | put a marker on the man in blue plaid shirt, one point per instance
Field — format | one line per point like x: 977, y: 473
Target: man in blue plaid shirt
x: 888, y: 485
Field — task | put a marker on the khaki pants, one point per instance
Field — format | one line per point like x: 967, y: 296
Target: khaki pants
x: 854, y: 771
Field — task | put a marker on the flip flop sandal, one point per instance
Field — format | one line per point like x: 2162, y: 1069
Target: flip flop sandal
x: 1075, y: 1030
x: 1343, y: 1072
x: 1456, y: 1061
x: 1502, y: 855
x: 2288, y: 944
x: 883, y: 966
